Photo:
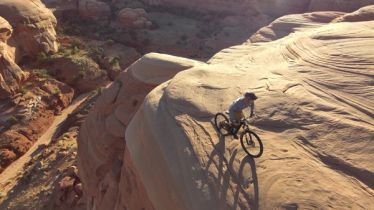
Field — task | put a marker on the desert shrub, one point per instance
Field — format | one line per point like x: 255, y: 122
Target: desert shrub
x: 28, y: 84
x: 61, y: 49
x: 99, y: 89
x: 13, y: 120
x: 75, y: 78
x: 22, y: 90
x: 60, y: 31
x: 41, y: 73
x: 57, y: 91
x: 82, y: 74
x: 74, y: 50
x: 110, y: 42
x: 184, y: 37
x: 103, y: 73
x: 42, y: 57
x: 154, y: 25
x: 75, y: 42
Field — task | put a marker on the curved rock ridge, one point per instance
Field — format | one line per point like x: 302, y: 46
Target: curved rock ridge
x: 341, y: 5
x: 27, y: 28
x: 108, y: 174
x: 288, y: 24
x: 314, y: 115
x: 363, y: 14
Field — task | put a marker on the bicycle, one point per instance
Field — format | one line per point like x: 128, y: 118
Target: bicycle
x: 250, y: 141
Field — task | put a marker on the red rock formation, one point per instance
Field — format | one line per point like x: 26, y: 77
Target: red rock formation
x: 134, y: 18
x: 93, y: 9
x: 33, y: 32
x: 106, y: 169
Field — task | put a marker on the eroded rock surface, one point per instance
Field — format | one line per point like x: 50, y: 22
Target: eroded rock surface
x: 315, y: 120
x: 134, y: 18
x: 110, y: 179
x: 93, y: 9
x: 27, y: 28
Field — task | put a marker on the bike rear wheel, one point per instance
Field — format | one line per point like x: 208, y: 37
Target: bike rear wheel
x: 251, y: 143
x: 221, y: 122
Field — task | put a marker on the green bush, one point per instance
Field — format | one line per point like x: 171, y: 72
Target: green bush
x: 42, y: 57
x: 103, y: 73
x: 13, y: 120
x: 82, y: 74
x: 61, y: 49
x: 41, y: 73
x: 99, y: 89
x: 57, y: 91
x: 22, y: 90
x: 110, y: 42
x: 75, y: 42
x: 115, y: 60
x: 74, y: 50
x: 28, y: 84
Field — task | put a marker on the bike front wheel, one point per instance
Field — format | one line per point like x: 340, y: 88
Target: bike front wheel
x: 221, y: 122
x: 251, y: 143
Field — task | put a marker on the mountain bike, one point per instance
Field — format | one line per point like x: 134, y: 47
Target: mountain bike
x: 250, y: 141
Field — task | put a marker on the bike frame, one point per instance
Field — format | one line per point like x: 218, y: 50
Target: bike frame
x: 242, y: 123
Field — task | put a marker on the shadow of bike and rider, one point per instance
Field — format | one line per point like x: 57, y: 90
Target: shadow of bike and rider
x: 230, y: 178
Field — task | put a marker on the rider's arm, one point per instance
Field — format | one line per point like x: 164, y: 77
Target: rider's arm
x: 252, y: 108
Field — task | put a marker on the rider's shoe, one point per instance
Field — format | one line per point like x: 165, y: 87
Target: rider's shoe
x: 236, y: 136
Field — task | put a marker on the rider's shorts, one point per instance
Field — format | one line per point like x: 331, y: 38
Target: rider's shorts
x: 238, y: 116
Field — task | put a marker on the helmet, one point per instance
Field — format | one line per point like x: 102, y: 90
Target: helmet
x: 250, y: 95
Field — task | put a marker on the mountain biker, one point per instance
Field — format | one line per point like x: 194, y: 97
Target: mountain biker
x: 236, y: 110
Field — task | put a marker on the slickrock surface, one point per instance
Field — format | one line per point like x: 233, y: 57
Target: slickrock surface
x: 33, y: 32
x: 315, y: 117
x: 109, y: 177
x: 288, y: 24
x: 341, y: 5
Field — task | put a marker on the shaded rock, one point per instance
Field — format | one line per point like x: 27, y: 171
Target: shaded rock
x: 72, y: 171
x: 133, y: 18
x: 61, y: 154
x: 93, y: 9
x: 124, y: 96
x: 66, y: 182
x: 78, y: 188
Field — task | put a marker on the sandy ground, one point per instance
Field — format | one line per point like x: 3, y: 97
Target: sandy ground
x: 12, y: 170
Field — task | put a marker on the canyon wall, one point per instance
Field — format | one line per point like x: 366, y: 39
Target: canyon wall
x: 108, y: 174
x: 273, y: 8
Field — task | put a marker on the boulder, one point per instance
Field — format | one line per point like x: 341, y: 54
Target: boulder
x: 32, y: 32
x: 133, y: 18
x: 93, y: 9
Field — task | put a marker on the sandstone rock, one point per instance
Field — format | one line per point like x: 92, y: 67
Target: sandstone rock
x: 342, y: 5
x: 78, y: 188
x: 59, y: 202
x: 42, y: 146
x: 38, y: 165
x: 102, y: 145
x: 60, y: 194
x: 72, y: 198
x: 134, y: 18
x: 33, y: 32
x: 363, y: 14
x: 72, y: 171
x: 66, y: 182
x: 81, y: 201
x: 61, y: 154
x: 93, y: 9
x: 306, y: 104
x: 288, y: 24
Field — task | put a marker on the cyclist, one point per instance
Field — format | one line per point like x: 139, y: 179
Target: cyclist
x: 236, y: 110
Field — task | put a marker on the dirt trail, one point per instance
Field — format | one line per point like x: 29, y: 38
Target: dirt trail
x: 12, y: 170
